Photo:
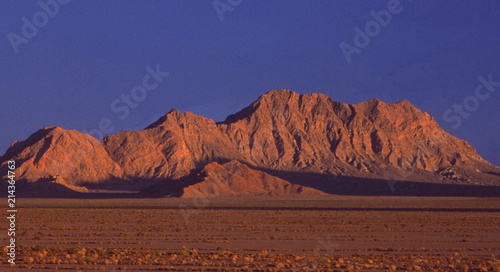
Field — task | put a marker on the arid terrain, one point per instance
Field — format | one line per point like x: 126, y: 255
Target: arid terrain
x: 231, y: 135
x: 290, y: 183
x: 327, y: 233
x: 282, y: 144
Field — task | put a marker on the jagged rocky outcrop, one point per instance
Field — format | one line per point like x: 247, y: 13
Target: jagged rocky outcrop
x: 281, y: 132
x: 53, y: 153
x: 171, y: 147
x: 288, y: 131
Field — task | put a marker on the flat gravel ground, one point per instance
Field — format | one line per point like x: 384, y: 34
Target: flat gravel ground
x: 259, y: 234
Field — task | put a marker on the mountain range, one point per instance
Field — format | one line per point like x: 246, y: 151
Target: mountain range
x: 282, y: 144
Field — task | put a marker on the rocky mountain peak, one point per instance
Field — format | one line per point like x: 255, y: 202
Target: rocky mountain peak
x: 281, y: 132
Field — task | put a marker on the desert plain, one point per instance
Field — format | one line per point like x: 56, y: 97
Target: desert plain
x: 321, y: 233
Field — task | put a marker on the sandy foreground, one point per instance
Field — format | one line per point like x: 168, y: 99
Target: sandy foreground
x: 331, y: 233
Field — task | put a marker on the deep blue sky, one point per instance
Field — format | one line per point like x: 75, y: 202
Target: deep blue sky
x: 92, y: 52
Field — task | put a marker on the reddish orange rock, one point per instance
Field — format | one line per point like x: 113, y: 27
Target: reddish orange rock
x: 284, y: 142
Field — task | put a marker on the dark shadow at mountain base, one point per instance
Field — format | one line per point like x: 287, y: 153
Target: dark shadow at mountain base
x: 56, y: 190
x: 158, y: 188
x: 330, y: 184
x: 345, y: 185
x: 493, y: 173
